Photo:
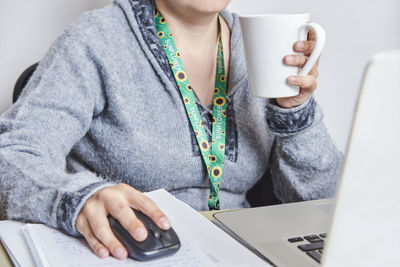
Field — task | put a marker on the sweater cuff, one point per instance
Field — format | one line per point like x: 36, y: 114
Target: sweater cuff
x: 72, y: 203
x: 284, y: 122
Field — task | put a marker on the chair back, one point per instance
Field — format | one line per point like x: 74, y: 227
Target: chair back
x: 22, y: 81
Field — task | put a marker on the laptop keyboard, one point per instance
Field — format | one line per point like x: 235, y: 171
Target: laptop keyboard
x: 312, y: 245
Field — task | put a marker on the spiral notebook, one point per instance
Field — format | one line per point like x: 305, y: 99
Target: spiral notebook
x: 38, y: 254
x: 39, y: 245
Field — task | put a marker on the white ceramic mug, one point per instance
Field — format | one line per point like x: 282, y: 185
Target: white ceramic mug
x: 266, y: 40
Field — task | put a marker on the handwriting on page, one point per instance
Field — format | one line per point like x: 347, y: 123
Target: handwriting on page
x: 195, y: 233
x: 75, y: 252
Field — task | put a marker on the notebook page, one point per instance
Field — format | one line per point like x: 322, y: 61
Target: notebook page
x: 63, y: 250
x: 14, y: 242
x: 10, y: 254
x: 194, y: 230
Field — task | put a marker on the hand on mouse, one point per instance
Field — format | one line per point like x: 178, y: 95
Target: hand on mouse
x: 117, y: 201
x: 307, y: 83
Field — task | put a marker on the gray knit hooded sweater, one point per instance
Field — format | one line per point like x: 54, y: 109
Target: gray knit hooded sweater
x: 103, y: 108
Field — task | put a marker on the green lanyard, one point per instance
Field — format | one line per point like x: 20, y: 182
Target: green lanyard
x: 213, y: 159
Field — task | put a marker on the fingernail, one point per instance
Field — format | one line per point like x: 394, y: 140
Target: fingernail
x: 120, y: 253
x: 164, y: 223
x: 103, y: 253
x: 140, y: 234
x: 300, y: 45
x: 292, y: 79
x: 289, y: 59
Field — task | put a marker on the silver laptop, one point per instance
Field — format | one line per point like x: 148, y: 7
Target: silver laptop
x: 361, y: 227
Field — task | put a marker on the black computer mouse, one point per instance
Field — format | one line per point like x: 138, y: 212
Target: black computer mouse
x: 159, y: 243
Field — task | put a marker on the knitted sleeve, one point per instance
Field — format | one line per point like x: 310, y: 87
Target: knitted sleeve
x: 53, y: 113
x: 305, y: 164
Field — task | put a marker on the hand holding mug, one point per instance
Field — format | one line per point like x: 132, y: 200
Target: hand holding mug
x: 307, y: 83
x: 277, y: 68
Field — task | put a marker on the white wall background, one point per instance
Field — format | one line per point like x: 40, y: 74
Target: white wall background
x: 355, y: 29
